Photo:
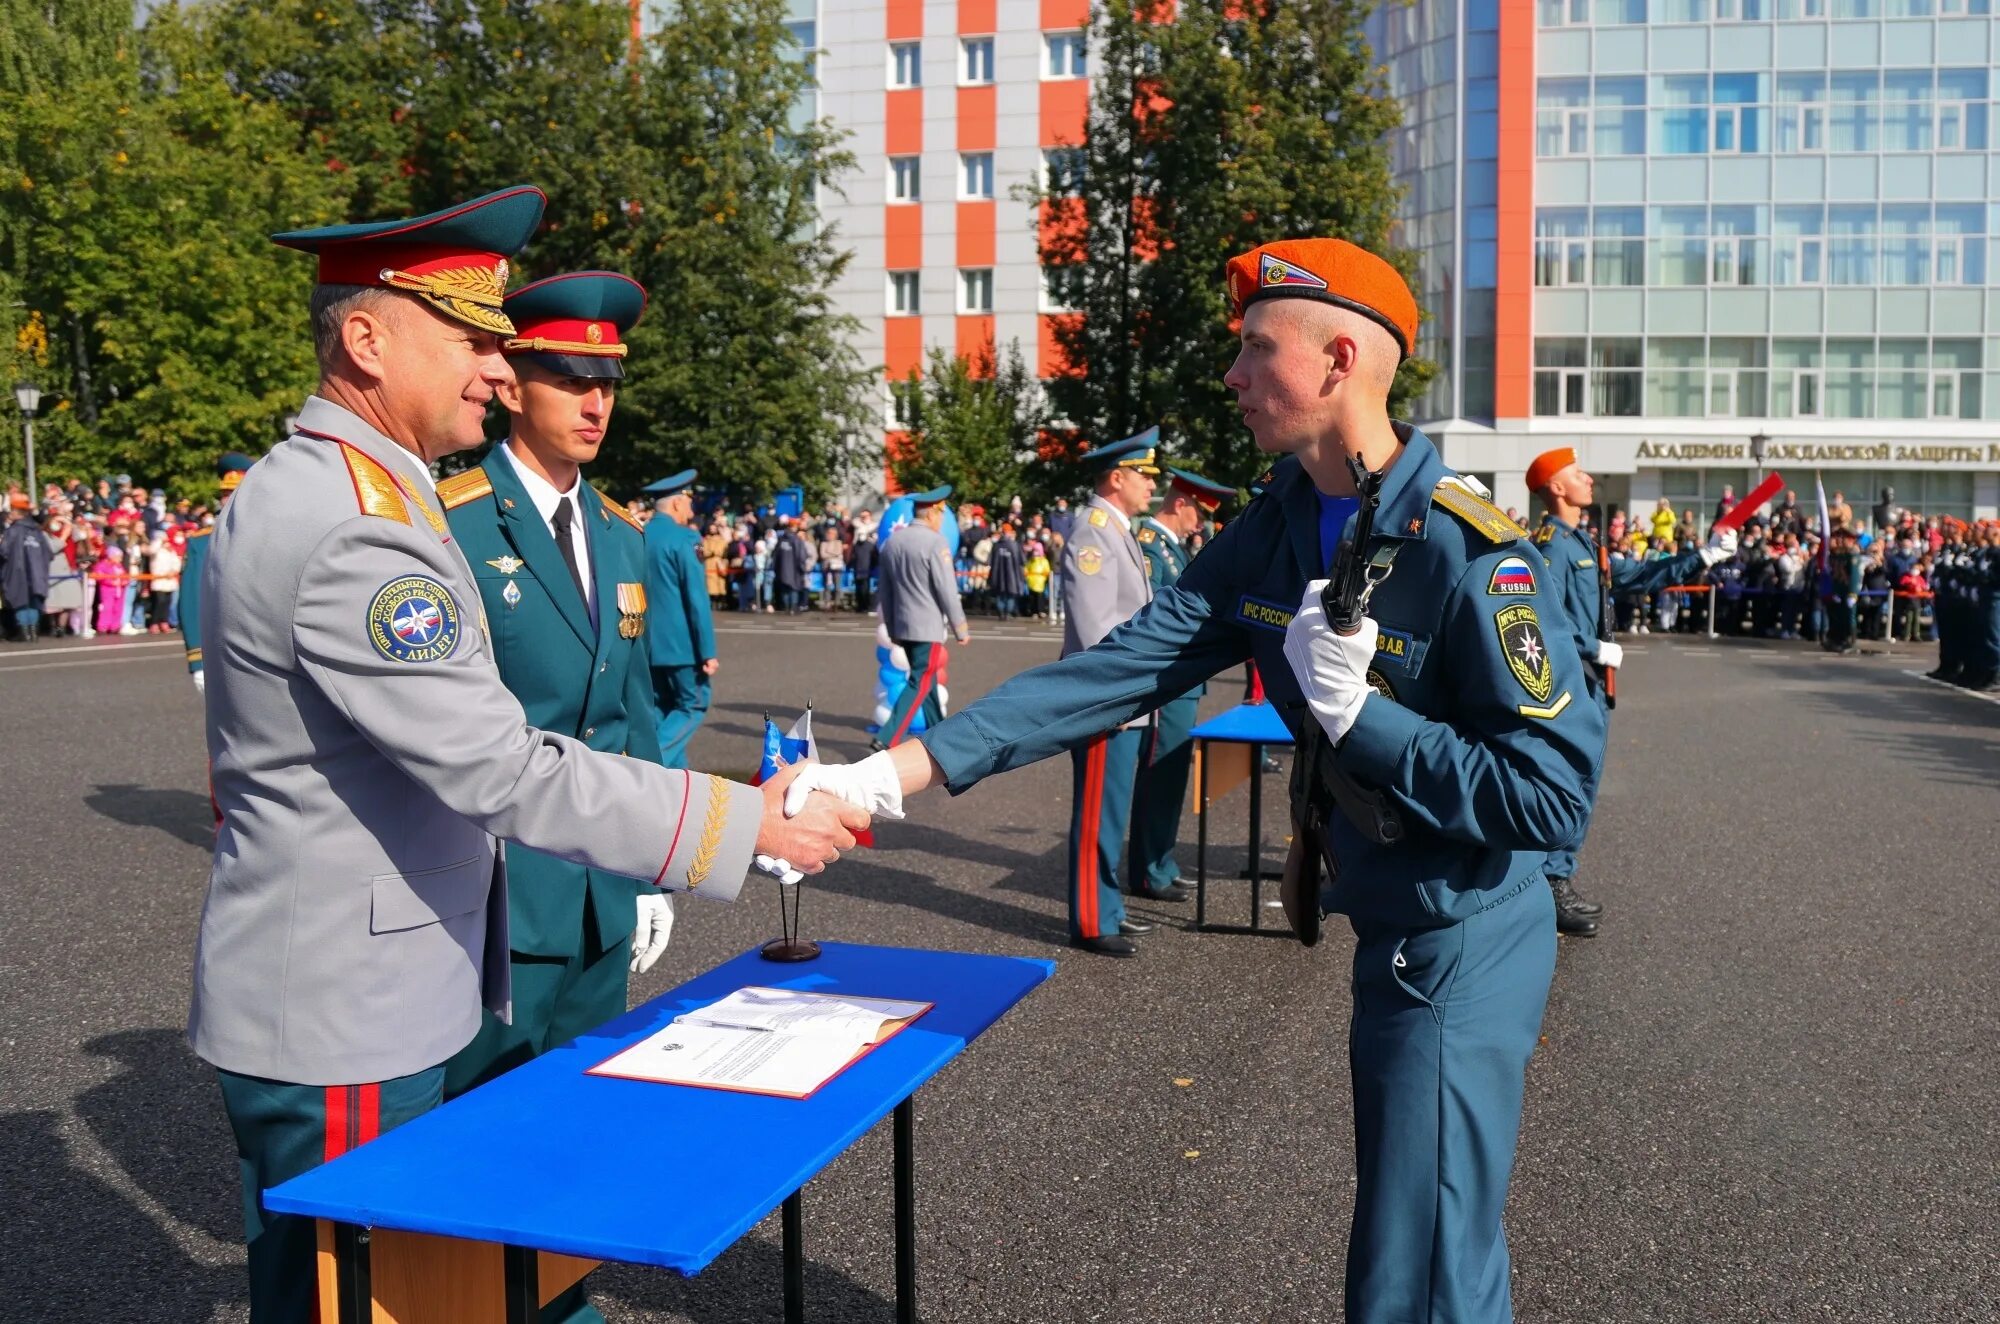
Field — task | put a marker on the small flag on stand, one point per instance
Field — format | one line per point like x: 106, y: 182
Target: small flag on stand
x: 794, y: 746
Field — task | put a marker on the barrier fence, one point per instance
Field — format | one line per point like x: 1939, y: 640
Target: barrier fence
x: 1917, y: 620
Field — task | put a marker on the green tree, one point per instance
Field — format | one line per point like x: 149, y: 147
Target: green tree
x: 1233, y: 125
x: 973, y: 423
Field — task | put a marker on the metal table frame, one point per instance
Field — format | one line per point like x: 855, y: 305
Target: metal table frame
x: 1255, y: 872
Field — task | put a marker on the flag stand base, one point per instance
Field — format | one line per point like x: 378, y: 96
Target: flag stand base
x: 791, y: 949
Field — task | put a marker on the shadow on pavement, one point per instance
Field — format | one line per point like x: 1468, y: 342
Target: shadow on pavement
x: 175, y: 811
x: 744, y: 1286
x: 189, y: 1167
x: 78, y: 1251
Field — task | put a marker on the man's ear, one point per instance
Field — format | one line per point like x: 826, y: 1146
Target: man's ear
x: 367, y: 334
x: 509, y: 394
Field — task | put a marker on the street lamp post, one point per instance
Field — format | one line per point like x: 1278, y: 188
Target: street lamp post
x: 1759, y: 443
x: 29, y: 397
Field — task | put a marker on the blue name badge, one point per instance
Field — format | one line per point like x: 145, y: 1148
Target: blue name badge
x: 1265, y: 615
x: 1399, y: 649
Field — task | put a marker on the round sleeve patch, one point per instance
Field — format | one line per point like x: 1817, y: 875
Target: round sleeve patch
x: 413, y: 619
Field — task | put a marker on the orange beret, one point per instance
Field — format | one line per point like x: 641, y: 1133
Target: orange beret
x: 1331, y: 271
x: 1547, y: 465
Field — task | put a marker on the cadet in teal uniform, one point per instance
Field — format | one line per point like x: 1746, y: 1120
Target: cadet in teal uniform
x: 680, y: 640
x: 1585, y: 579
x: 229, y: 471
x: 1459, y: 699
x: 1167, y: 753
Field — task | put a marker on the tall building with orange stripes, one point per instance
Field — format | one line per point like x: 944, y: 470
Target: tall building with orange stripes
x: 1696, y: 239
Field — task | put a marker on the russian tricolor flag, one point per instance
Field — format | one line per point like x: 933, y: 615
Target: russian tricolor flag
x: 793, y: 746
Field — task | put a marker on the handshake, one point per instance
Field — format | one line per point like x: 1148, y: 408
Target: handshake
x: 813, y: 810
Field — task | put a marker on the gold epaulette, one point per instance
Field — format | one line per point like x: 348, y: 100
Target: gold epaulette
x: 620, y: 511
x: 375, y: 489
x: 458, y: 489
x: 1481, y: 514
x: 1145, y: 535
x: 1098, y: 519
x: 1545, y: 535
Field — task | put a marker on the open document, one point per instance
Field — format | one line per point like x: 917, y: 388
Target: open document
x: 764, y: 1041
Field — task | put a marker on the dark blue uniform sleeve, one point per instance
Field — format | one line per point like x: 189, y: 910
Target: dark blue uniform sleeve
x: 1175, y: 642
x: 1632, y: 575
x: 1509, y: 771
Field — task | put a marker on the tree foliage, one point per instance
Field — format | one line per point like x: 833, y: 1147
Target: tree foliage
x: 972, y: 423
x: 1231, y: 126
x: 141, y: 171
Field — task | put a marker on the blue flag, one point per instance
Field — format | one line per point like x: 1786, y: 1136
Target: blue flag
x: 781, y: 748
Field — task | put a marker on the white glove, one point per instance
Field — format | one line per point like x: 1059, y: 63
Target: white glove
x: 1721, y: 546
x: 1610, y: 654
x: 781, y: 870
x: 1331, y: 668
x: 656, y: 925
x: 871, y: 784
x: 200, y: 681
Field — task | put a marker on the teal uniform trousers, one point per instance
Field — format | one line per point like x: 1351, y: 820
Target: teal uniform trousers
x: 920, y: 690
x: 680, y: 634
x: 283, y: 1130
x: 1100, y: 809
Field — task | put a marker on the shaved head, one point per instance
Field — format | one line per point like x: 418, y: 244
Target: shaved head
x: 1323, y: 323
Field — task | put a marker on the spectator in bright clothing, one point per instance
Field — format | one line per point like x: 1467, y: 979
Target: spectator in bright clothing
x: 1036, y: 575
x: 1664, y: 522
x: 112, y: 584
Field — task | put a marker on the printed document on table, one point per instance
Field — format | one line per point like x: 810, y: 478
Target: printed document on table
x: 764, y: 1041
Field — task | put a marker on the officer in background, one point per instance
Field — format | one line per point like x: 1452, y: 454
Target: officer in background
x: 1981, y: 673
x: 1167, y: 753
x: 1452, y: 700
x: 919, y: 588
x: 1844, y: 594
x: 366, y: 754
x: 681, y: 636
x: 1947, y: 615
x: 229, y: 471
x: 1104, y: 581
x: 1584, y: 579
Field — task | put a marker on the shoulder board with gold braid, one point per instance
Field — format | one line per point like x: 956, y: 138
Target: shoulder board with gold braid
x: 1481, y: 514
x: 458, y: 489
x: 1545, y: 535
x: 375, y: 491
x: 619, y: 511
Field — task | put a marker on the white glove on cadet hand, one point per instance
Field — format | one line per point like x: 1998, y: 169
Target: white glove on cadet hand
x: 871, y: 784
x: 656, y: 924
x: 1721, y: 546
x: 1331, y: 668
x: 200, y: 681
x: 1610, y: 654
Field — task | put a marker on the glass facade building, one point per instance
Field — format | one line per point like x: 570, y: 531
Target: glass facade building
x: 1653, y: 228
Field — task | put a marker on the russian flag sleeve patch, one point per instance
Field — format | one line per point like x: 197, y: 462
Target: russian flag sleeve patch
x: 1511, y: 579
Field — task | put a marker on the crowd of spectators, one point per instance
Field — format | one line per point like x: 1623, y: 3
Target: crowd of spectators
x: 87, y: 560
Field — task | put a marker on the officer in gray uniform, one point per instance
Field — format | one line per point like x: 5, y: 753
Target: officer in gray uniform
x: 919, y: 588
x: 1104, y: 582
x: 366, y: 754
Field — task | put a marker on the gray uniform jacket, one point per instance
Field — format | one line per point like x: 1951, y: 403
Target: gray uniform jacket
x: 919, y: 586
x: 1104, y: 578
x: 365, y: 756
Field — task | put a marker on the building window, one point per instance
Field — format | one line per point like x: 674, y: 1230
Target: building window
x: 905, y: 179
x: 1563, y: 132
x: 1059, y: 293
x: 1065, y: 55
x: 1724, y: 267
x: 906, y: 64
x: 1722, y: 393
x: 975, y: 290
x: 1562, y: 262
x: 1806, y: 393
x: 1062, y: 171
x: 975, y: 175
x: 1801, y: 260
x: 905, y: 293
x: 1565, y: 13
x: 976, y: 60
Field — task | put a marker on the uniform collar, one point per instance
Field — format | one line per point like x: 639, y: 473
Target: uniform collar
x: 321, y: 417
x: 1124, y: 520
x: 1403, y: 512
x: 1163, y: 530
x: 542, y: 493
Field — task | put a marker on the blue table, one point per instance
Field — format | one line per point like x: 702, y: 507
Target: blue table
x: 1258, y: 726
x: 537, y: 1161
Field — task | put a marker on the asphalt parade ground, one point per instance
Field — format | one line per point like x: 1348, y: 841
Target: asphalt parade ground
x: 1769, y: 1091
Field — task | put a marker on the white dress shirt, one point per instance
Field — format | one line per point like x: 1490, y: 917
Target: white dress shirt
x: 545, y: 497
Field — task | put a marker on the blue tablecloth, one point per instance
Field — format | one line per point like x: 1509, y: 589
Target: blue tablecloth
x: 1246, y: 724
x: 549, y: 1158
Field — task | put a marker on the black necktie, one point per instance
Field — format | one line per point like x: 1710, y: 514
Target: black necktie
x: 560, y: 522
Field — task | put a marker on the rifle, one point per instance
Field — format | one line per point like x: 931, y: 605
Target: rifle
x: 1319, y: 785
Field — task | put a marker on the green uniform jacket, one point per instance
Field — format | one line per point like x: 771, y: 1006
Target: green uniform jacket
x: 589, y: 684
x: 679, y: 630
x: 191, y: 567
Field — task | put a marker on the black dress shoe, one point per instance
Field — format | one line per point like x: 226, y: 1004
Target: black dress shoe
x: 1568, y: 919
x: 1134, y: 928
x: 1174, y: 891
x: 875, y: 745
x: 1568, y: 898
x: 1107, y: 946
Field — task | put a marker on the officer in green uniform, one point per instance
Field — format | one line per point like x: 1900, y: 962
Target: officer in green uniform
x: 680, y: 634
x: 1844, y: 594
x: 1167, y: 754
x: 229, y: 471
x: 1456, y: 701
x: 1982, y: 655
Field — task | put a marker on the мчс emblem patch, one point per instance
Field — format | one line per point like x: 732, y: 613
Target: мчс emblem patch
x: 413, y: 619
x: 1511, y: 578
x: 1527, y: 652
